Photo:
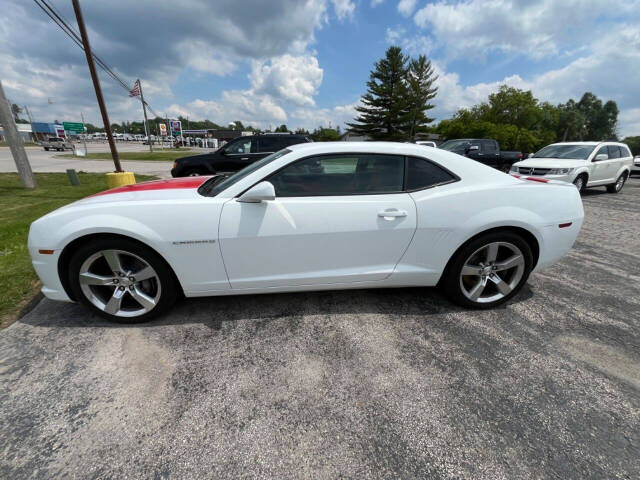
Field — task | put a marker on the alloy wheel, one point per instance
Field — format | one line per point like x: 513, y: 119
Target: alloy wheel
x: 120, y: 283
x: 579, y: 182
x: 620, y: 183
x: 492, y: 272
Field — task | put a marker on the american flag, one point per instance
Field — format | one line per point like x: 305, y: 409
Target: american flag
x: 135, y: 91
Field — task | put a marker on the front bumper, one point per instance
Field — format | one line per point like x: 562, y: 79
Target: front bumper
x: 46, y: 266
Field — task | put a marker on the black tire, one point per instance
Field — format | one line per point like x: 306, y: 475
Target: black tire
x: 46, y: 148
x: 582, y: 178
x: 169, y: 288
x: 195, y: 173
x: 451, y: 279
x: 620, y: 181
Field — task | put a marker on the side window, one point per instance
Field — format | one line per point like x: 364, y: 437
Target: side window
x: 293, y: 140
x: 603, y: 150
x: 269, y: 144
x: 488, y: 146
x: 340, y: 174
x: 240, y: 146
x: 625, y: 151
x: 422, y: 174
x: 614, y: 151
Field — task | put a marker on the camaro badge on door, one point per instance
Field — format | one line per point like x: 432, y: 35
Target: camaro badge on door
x: 189, y: 242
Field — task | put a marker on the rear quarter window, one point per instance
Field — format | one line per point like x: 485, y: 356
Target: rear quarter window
x: 422, y: 173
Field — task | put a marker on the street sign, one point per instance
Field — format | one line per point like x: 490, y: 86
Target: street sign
x: 163, y: 129
x: 176, y: 127
x: 73, y: 126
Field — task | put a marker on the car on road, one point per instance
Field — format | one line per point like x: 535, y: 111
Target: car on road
x: 235, y: 155
x: 585, y: 164
x: 483, y: 150
x: 636, y: 165
x: 314, y: 216
x: 57, y: 143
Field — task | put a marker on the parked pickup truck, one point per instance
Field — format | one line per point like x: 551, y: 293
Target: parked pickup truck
x: 57, y: 143
x: 484, y: 151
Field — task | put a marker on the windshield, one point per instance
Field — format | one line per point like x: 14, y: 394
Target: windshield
x: 452, y: 145
x: 215, y: 186
x: 566, y: 152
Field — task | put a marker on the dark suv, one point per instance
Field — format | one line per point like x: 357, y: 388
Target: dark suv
x: 235, y: 155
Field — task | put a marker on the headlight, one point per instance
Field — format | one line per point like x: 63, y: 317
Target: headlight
x: 513, y: 169
x: 559, y: 171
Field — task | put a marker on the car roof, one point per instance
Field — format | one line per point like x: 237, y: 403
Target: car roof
x: 587, y: 143
x: 392, y: 148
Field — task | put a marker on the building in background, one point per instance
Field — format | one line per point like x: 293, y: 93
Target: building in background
x: 24, y: 130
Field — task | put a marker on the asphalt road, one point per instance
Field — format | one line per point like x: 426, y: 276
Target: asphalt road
x: 356, y: 384
x: 42, y: 161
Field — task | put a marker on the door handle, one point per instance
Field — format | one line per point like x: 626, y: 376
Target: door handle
x: 392, y: 213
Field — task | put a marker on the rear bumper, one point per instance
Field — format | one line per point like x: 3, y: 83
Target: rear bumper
x: 557, y: 241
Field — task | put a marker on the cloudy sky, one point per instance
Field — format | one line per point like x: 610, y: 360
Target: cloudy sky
x: 305, y: 62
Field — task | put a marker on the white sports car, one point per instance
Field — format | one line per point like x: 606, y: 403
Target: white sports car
x: 314, y: 216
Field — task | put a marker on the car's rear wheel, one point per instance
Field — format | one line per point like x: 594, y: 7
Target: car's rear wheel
x: 580, y: 182
x: 616, y: 187
x: 488, y: 270
x: 46, y: 148
x: 122, y: 280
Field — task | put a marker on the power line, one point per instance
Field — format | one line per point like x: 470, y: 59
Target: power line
x: 54, y: 15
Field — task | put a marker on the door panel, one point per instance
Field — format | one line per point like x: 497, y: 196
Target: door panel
x: 601, y: 170
x: 315, y: 240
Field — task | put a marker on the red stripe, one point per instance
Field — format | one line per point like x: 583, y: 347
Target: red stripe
x: 186, y: 182
x: 565, y: 225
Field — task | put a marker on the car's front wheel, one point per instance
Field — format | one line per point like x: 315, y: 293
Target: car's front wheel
x: 580, y: 182
x: 488, y: 270
x: 616, y: 187
x: 122, y: 280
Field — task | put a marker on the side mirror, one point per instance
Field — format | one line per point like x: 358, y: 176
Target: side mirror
x: 473, y: 148
x: 601, y: 156
x: 259, y: 193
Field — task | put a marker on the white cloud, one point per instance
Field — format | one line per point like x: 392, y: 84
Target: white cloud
x: 412, y: 44
x: 406, y: 7
x: 294, y: 79
x: 311, y: 118
x: 343, y: 8
x: 395, y: 35
x: 473, y: 28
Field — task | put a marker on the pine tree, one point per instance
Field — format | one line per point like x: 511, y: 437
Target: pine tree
x: 420, y: 80
x: 384, y: 113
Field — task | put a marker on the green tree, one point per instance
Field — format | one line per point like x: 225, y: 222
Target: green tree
x: 420, y: 80
x: 282, y: 128
x: 325, y: 135
x: 600, y: 120
x: 633, y: 143
x: 384, y: 110
x: 17, y: 110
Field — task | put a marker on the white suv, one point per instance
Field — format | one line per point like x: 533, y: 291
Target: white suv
x: 585, y: 164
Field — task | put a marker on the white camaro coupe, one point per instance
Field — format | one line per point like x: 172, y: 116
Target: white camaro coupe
x: 315, y: 216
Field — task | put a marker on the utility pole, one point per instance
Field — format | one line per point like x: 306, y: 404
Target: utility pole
x: 144, y: 110
x: 15, y: 143
x: 84, y: 136
x: 96, y: 83
x: 33, y: 134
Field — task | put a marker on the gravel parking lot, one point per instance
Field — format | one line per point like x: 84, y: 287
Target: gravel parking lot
x: 357, y: 384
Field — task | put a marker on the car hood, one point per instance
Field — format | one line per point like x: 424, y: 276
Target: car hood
x: 175, y: 188
x: 550, y: 163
